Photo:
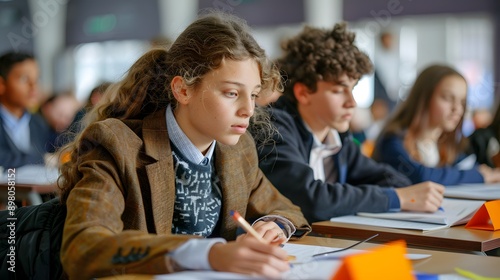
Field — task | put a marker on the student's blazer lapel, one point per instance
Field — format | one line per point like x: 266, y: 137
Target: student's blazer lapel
x: 161, y: 173
x: 233, y: 183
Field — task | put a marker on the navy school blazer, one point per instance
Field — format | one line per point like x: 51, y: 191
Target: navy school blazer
x: 362, y: 184
x: 12, y: 157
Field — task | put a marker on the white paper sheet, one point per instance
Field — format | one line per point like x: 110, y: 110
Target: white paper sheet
x: 304, y: 267
x: 474, y: 191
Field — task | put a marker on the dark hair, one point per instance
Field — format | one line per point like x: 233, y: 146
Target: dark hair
x: 198, y: 50
x: 321, y: 55
x: 495, y: 123
x: 8, y: 60
x: 413, y: 115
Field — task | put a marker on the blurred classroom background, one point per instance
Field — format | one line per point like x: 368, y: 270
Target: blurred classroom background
x: 82, y: 43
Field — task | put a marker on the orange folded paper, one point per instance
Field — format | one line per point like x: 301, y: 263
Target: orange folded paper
x: 487, y: 217
x: 385, y: 262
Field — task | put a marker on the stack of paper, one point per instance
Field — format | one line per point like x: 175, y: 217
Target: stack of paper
x: 474, y: 191
x: 455, y: 212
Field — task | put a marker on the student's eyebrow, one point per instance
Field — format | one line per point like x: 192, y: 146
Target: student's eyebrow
x: 345, y: 82
x: 340, y: 84
x: 240, y: 84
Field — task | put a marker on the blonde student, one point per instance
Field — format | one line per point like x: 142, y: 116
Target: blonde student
x: 157, y: 170
x: 313, y: 159
x: 423, y: 138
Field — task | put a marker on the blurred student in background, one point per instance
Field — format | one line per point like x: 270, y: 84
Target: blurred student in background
x: 23, y: 136
x: 95, y: 96
x: 366, y: 132
x: 485, y: 142
x: 481, y: 118
x: 424, y: 139
x: 313, y: 160
x: 58, y: 111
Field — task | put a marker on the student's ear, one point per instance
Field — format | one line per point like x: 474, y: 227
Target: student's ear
x: 301, y: 93
x: 180, y: 90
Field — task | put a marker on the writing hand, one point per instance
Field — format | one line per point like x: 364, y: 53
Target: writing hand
x: 422, y: 197
x: 249, y: 256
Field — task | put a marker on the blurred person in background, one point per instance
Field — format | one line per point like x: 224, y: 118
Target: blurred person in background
x: 95, y: 96
x: 58, y: 111
x: 23, y: 136
x: 387, y: 83
x: 424, y: 138
x: 485, y: 142
x: 481, y: 118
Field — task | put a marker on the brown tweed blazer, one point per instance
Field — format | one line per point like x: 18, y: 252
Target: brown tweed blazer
x: 120, y: 212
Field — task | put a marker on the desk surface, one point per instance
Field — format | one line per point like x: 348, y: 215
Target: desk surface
x: 439, y: 262
x: 28, y: 175
x: 30, y: 182
x: 456, y: 238
x: 26, y: 188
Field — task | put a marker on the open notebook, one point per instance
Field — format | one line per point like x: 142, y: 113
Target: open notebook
x: 455, y: 212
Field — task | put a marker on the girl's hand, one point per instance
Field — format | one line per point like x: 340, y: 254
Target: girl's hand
x: 422, y: 197
x: 271, y: 232
x: 249, y: 256
x: 490, y: 175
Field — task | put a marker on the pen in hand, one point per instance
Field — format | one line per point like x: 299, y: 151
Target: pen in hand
x: 246, y: 226
x: 249, y: 229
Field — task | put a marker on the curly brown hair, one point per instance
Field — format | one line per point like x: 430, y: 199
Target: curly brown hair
x: 318, y: 54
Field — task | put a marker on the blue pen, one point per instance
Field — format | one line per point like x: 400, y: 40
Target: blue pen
x: 426, y: 276
x: 441, y: 209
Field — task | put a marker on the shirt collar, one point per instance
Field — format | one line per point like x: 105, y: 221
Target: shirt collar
x: 331, y: 145
x: 11, y: 121
x: 182, y: 142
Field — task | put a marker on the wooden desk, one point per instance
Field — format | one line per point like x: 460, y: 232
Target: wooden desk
x: 27, y: 192
x: 456, y: 238
x: 439, y: 262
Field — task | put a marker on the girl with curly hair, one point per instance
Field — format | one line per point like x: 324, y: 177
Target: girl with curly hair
x: 166, y: 156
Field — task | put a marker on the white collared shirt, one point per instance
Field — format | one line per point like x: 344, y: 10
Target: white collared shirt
x: 182, y: 142
x: 429, y: 152
x: 18, y: 130
x: 320, y: 159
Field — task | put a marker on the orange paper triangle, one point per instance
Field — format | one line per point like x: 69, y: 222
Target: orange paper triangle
x: 487, y: 217
x: 385, y: 262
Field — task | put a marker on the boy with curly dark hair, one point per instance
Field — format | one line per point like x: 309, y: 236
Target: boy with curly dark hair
x: 313, y: 159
